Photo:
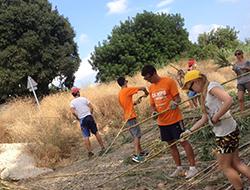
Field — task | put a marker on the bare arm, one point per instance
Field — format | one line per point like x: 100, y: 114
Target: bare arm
x: 144, y: 96
x: 225, y: 98
x: 199, y: 123
x: 144, y: 90
x: 73, y: 111
x: 177, y: 99
x: 91, y: 108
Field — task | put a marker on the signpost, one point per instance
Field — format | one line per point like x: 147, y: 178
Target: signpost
x: 32, y: 86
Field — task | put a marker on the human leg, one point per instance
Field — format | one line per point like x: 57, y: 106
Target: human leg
x: 91, y: 124
x: 136, y: 134
x: 240, y: 166
x: 189, y: 152
x: 225, y: 162
x: 227, y: 147
x: 241, y: 100
x: 175, y: 153
x: 99, y: 139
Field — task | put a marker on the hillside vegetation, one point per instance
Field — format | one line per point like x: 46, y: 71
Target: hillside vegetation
x: 52, y: 127
x: 55, y: 140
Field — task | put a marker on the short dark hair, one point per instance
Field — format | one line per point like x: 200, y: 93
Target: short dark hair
x: 148, y: 69
x: 76, y: 94
x: 121, y: 81
x: 238, y: 51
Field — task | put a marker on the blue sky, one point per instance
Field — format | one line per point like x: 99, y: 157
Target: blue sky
x: 93, y: 20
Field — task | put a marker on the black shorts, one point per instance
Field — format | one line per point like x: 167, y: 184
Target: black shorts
x: 244, y: 87
x: 171, y: 132
x: 88, y: 124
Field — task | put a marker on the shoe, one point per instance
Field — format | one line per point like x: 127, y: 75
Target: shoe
x: 137, y: 158
x: 191, y: 173
x: 178, y: 172
x: 144, y: 153
x: 90, y: 154
x: 102, y: 152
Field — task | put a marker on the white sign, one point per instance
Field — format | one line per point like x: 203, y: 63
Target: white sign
x: 32, y: 86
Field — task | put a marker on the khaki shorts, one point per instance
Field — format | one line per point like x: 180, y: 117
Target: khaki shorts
x: 135, y: 131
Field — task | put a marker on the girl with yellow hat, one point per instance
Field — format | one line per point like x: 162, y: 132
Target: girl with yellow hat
x: 215, y: 103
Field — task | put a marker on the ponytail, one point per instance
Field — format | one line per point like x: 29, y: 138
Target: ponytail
x: 204, y: 93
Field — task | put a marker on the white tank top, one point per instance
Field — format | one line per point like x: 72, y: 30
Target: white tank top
x: 227, y: 124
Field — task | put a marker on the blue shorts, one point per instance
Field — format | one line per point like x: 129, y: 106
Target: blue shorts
x: 191, y: 93
x: 171, y: 132
x: 135, y: 131
x: 88, y: 125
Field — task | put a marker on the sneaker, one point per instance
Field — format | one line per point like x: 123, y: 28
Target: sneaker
x: 137, y: 159
x: 90, y: 154
x: 191, y: 173
x: 144, y: 153
x: 178, y: 172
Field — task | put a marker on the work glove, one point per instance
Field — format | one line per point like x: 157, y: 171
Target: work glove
x: 138, y: 101
x: 185, y: 135
x: 173, y: 105
x: 154, y: 115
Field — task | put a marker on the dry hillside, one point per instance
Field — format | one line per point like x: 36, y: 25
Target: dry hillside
x: 56, y: 141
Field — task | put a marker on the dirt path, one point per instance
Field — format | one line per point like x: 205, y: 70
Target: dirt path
x: 88, y: 174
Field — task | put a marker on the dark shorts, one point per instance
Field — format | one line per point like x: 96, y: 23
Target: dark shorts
x: 228, y: 143
x: 135, y: 131
x: 171, y: 132
x: 244, y: 87
x: 88, y: 125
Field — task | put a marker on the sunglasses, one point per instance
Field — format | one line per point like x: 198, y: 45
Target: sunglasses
x: 236, y: 54
x: 191, y: 86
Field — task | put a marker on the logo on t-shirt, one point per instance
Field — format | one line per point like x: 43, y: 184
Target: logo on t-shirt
x: 160, y: 95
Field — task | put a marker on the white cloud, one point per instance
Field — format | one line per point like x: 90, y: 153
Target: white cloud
x: 201, y: 28
x: 163, y: 3
x: 228, y: 1
x: 117, y: 6
x: 85, y: 75
x: 83, y: 38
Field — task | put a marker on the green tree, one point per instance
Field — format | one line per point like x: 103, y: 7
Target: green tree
x: 221, y: 38
x: 34, y: 40
x: 147, y: 38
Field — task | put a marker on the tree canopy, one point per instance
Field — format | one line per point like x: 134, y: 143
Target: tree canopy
x: 220, y: 37
x: 34, y: 40
x: 147, y: 38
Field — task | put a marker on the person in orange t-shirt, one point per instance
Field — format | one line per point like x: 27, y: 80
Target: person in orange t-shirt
x: 126, y: 101
x: 164, y: 95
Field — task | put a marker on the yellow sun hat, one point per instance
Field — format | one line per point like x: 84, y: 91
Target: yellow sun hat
x: 189, y: 76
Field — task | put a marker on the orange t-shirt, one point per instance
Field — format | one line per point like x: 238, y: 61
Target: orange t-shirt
x: 126, y: 101
x: 161, y: 94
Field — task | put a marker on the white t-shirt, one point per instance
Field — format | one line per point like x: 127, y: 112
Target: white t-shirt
x: 227, y: 124
x: 81, y: 105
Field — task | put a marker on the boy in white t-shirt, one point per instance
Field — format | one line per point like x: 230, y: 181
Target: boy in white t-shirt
x: 82, y: 109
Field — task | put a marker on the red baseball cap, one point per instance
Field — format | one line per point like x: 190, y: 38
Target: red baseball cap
x: 191, y: 62
x: 75, y: 90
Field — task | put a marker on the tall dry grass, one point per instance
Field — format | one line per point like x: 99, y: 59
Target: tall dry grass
x: 50, y: 131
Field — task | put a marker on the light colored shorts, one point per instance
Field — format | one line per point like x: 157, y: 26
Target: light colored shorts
x: 135, y: 131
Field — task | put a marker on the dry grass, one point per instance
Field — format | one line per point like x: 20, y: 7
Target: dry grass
x: 50, y: 131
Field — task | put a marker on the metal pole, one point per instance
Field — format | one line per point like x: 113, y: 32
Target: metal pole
x: 38, y: 105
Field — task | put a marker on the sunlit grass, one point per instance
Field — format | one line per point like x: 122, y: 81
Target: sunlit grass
x: 51, y: 132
